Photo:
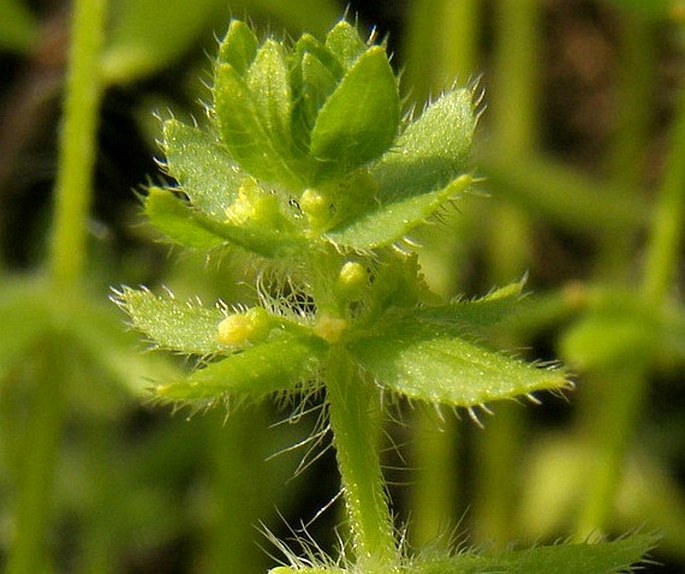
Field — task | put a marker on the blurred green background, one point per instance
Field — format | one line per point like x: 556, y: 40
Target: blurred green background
x: 581, y: 147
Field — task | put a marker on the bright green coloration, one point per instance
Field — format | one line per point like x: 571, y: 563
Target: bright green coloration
x: 561, y: 559
x: 607, y: 558
x: 309, y: 168
x: 355, y: 417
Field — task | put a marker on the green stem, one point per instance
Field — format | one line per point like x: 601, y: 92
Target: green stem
x: 514, y: 108
x: 514, y: 134
x: 77, y: 144
x: 611, y: 433
x: 663, y: 248
x: 237, y: 490
x: 612, y: 426
x: 434, y: 490
x: 442, y: 41
x: 498, y: 455
x: 99, y: 550
x: 73, y: 187
x: 36, y: 475
x: 525, y: 182
x: 634, y: 103
x: 355, y: 415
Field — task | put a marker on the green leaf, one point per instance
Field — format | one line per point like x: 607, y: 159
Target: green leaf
x: 205, y: 171
x: 391, y: 222
x: 308, y: 44
x: 463, y: 316
x: 674, y: 330
x: 313, y: 83
x: 607, y: 558
x: 431, y: 152
x: 244, y: 132
x: 179, y: 222
x: 117, y: 354
x: 425, y: 361
x: 345, y: 44
x: 187, y: 226
x: 268, y: 81
x: 239, y: 47
x: 266, y: 368
x: 359, y: 120
x: 175, y: 325
x: 148, y: 35
x: 607, y: 342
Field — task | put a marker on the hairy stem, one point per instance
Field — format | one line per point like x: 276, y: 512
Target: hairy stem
x: 355, y: 415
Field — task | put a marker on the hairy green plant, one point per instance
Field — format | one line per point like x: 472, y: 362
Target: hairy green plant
x: 309, y: 165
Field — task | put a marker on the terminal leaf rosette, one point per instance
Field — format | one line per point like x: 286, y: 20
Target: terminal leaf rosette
x: 307, y: 164
x: 306, y: 144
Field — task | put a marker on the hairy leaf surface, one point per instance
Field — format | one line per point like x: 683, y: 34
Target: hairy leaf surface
x: 191, y: 228
x: 427, y: 362
x: 431, y: 152
x: 239, y: 47
x: 269, y: 367
x: 244, y: 132
x: 608, y: 558
x: 390, y: 223
x: 345, y: 44
x: 172, y: 324
x: 359, y: 121
x: 267, y: 79
x: 206, y: 172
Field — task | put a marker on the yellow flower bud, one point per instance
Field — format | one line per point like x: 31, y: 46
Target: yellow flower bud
x: 241, y: 328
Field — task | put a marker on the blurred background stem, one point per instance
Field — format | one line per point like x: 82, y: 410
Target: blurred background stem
x: 73, y: 189
x: 442, y: 46
x: 613, y: 423
x: 41, y: 443
x: 633, y: 119
x: 237, y: 490
x: 67, y: 259
x: 514, y: 133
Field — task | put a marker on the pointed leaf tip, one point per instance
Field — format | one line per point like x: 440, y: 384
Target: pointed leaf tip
x: 427, y: 362
x: 359, y: 120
